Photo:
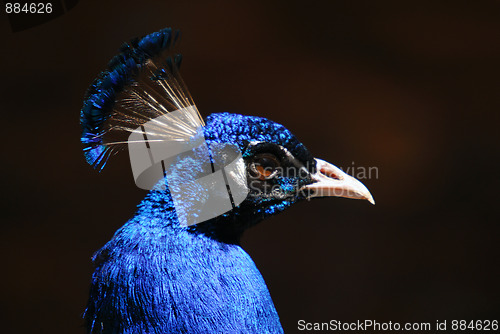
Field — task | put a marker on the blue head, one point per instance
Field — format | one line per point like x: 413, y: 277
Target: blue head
x: 277, y: 165
x: 143, y: 81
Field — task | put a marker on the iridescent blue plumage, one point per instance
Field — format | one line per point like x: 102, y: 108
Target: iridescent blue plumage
x: 154, y: 275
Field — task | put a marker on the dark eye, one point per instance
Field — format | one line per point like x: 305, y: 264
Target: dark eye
x: 264, y: 166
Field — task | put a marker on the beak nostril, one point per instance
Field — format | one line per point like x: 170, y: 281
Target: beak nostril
x: 333, y: 181
x: 329, y: 173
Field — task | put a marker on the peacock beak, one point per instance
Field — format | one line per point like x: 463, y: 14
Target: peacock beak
x: 330, y: 180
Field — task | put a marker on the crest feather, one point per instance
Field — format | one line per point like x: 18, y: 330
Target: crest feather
x: 140, y: 84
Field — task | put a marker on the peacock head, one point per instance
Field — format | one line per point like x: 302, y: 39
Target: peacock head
x: 141, y: 103
x: 279, y: 169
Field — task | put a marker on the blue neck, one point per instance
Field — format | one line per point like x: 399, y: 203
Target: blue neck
x: 157, y: 276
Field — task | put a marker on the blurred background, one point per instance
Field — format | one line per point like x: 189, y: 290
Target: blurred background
x: 411, y: 88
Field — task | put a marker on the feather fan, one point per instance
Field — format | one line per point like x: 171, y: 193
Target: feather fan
x: 140, y: 84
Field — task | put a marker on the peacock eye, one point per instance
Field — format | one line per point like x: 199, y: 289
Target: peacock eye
x: 264, y: 166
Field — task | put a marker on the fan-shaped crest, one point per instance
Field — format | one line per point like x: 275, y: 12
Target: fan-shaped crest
x: 141, y: 84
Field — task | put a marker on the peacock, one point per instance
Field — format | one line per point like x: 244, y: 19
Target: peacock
x: 177, y: 265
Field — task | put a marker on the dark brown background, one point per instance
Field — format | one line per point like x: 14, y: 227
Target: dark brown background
x: 409, y: 87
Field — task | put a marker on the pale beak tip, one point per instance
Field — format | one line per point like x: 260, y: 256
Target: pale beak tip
x: 371, y: 200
